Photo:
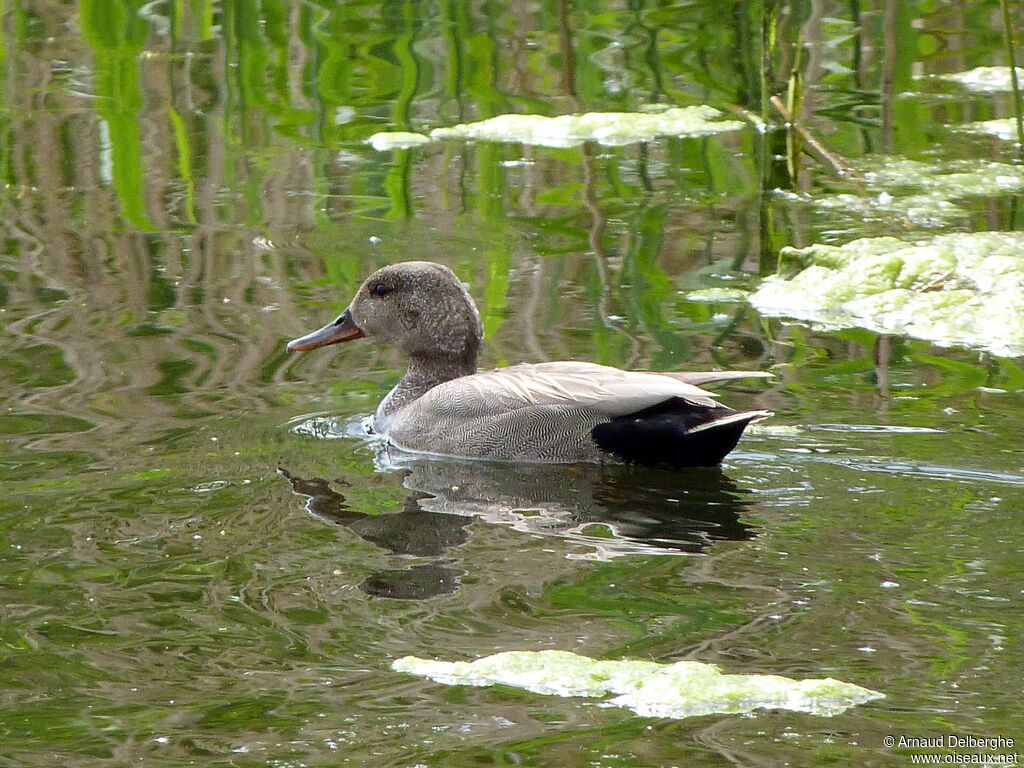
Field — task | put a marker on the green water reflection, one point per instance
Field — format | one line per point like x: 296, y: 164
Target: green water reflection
x: 203, y: 563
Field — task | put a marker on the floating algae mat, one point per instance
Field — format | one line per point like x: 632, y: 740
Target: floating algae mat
x: 683, y: 689
x: 717, y: 294
x: 1001, y: 128
x: 958, y: 289
x: 608, y: 128
x: 985, y: 79
x: 923, y: 193
x: 386, y: 140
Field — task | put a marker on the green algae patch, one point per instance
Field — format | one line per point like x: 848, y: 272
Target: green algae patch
x: 1002, y: 128
x: 985, y: 79
x: 608, y: 128
x: 962, y: 289
x: 923, y: 193
x: 683, y: 689
x: 717, y: 294
x: 386, y: 140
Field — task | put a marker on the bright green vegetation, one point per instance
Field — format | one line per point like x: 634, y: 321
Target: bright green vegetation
x: 962, y: 288
x: 683, y: 689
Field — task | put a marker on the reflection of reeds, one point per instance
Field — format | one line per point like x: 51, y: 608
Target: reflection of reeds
x: 769, y: 29
x: 1011, y: 61
x: 157, y: 324
x: 793, y: 111
x: 236, y: 140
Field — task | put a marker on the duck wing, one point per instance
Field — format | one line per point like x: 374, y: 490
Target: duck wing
x: 567, y: 412
x: 608, y: 391
x: 698, y: 378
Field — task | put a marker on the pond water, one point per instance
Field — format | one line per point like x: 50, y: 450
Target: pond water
x: 206, y: 563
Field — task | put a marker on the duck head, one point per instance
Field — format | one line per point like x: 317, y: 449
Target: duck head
x: 418, y: 306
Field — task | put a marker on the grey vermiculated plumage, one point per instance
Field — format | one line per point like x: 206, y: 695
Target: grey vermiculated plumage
x: 544, y: 412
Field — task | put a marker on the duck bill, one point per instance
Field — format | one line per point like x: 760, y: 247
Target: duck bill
x: 342, y: 329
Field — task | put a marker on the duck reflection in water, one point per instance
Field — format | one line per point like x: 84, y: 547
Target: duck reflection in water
x: 414, y: 532
x: 609, y: 511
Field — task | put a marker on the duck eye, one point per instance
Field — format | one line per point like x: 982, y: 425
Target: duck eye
x: 381, y: 290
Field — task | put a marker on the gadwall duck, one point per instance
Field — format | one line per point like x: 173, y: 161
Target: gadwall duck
x: 546, y: 412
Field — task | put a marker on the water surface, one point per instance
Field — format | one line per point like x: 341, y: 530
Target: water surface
x: 205, y: 563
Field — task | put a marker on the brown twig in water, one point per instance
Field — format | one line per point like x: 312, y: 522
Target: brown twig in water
x: 751, y: 117
x: 815, y: 146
